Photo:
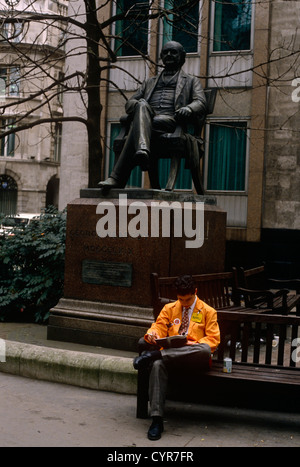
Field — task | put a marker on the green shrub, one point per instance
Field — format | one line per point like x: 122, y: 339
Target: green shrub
x: 32, y: 268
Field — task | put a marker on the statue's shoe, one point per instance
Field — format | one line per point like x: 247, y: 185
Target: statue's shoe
x: 109, y: 183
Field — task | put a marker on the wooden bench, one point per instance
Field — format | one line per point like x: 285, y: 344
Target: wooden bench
x: 214, y: 289
x: 263, y: 376
x: 258, y: 291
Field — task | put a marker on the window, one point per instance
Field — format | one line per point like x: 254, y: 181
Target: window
x: 57, y: 142
x: 226, y: 167
x: 232, y: 25
x: 8, y: 195
x: 11, y: 32
x: 7, y: 142
x: 181, y: 23
x: 9, y: 81
x: 132, y: 31
x: 60, y: 88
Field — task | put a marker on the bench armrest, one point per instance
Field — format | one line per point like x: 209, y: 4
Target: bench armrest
x: 291, y: 284
x: 260, y: 295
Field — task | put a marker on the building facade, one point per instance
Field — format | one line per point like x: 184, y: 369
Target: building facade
x: 248, y: 51
x: 31, y: 62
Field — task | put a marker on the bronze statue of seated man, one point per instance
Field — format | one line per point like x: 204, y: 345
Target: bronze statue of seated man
x: 157, y: 106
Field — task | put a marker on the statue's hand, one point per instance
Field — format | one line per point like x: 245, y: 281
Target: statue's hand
x: 130, y: 106
x: 183, y: 112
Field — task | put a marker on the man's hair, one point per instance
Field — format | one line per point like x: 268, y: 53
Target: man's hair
x: 184, y: 285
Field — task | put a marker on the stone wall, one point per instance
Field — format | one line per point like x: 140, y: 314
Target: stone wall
x: 282, y: 154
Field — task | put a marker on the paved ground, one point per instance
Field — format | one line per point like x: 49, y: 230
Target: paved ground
x: 37, y: 413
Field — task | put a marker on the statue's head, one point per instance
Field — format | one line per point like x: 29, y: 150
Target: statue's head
x: 173, y: 55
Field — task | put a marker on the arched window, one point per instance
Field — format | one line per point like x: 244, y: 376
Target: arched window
x: 52, y: 192
x: 8, y: 195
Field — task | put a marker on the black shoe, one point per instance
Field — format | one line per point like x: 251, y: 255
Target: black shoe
x: 156, y: 429
x: 142, y: 360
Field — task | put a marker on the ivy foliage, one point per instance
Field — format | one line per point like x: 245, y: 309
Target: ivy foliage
x: 32, y: 268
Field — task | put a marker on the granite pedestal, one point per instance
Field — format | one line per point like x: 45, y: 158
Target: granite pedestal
x: 107, y: 296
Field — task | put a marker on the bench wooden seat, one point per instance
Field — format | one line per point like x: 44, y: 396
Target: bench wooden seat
x: 258, y: 291
x: 261, y: 373
x: 263, y: 376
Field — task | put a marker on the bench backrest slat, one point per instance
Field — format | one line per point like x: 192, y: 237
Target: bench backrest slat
x: 257, y: 337
x: 282, y: 336
x: 293, y: 347
x: 269, y: 338
x: 233, y: 341
x: 247, y: 328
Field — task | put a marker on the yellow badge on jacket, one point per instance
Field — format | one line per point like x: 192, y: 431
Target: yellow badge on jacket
x: 197, y: 317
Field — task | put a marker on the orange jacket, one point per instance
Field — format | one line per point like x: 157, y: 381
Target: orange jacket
x: 203, y: 326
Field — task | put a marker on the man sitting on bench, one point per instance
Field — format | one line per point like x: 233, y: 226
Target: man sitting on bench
x: 196, y: 323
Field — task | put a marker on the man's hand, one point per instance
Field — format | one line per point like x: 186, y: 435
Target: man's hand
x: 152, y: 337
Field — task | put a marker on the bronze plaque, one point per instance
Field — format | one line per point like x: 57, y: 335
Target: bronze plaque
x: 107, y: 273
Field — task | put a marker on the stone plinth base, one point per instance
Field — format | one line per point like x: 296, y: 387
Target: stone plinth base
x: 116, y: 269
x: 101, y: 324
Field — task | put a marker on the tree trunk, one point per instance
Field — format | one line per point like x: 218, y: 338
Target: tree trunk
x: 94, y: 106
